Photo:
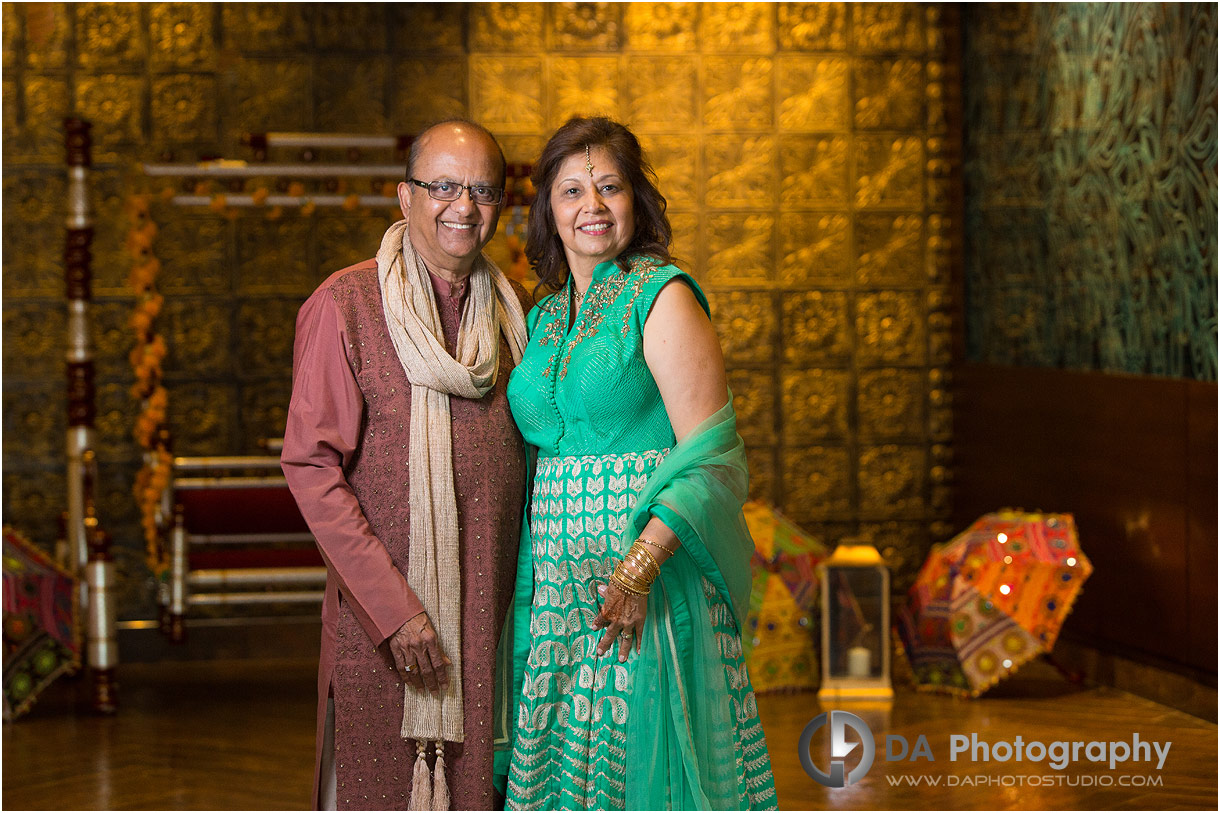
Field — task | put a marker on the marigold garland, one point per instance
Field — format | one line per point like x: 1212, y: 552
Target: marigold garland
x: 146, y: 358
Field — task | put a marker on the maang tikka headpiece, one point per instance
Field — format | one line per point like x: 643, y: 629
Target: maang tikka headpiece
x: 588, y: 162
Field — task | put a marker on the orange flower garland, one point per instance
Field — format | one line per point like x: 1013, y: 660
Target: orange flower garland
x: 146, y: 358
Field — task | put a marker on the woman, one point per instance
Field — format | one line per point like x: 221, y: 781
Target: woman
x: 634, y: 572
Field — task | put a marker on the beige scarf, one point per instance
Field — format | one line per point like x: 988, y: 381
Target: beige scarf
x: 433, y: 565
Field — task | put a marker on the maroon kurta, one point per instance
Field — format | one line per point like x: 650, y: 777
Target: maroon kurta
x: 346, y: 460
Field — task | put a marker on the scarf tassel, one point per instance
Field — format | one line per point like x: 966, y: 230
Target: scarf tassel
x: 421, y: 781
x: 429, y: 788
x: 440, y: 787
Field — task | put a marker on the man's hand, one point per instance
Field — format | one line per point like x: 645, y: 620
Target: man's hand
x: 418, y: 657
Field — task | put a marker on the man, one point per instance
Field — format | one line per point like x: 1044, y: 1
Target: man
x: 404, y: 459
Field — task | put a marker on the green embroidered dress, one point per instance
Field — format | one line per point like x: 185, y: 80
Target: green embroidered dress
x: 587, y: 403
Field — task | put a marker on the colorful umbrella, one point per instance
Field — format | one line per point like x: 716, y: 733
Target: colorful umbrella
x: 41, y: 635
x: 990, y: 599
x: 780, y: 629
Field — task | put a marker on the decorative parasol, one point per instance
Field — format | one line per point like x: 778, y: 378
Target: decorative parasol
x: 41, y: 635
x: 990, y: 599
x: 779, y: 636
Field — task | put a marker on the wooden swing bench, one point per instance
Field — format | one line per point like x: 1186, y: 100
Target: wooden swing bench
x: 236, y: 539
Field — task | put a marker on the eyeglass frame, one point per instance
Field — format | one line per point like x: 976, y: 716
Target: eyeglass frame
x: 469, y: 191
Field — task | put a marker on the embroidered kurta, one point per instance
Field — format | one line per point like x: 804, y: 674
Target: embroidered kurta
x: 346, y: 460
x: 584, y: 396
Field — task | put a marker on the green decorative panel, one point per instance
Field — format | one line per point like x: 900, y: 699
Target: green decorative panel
x: 1090, y: 182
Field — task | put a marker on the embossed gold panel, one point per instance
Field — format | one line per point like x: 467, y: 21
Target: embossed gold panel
x: 506, y: 27
x: 818, y: 483
x: 344, y: 103
x: 342, y: 25
x: 662, y: 27
x: 813, y: 171
x: 583, y: 86
x: 183, y: 108
x: 662, y: 93
x: 814, y: 93
x: 181, y: 36
x: 46, y: 97
x: 737, y: 93
x: 816, y: 404
x: 269, y: 95
x: 891, y: 481
x: 109, y: 37
x: 740, y: 171
x: 815, y: 248
x: 11, y: 34
x: 115, y: 105
x: 745, y: 321
x: 754, y: 402
x: 48, y: 28
x: 739, y: 247
x: 427, y: 89
x: 816, y: 328
x: 804, y: 149
x: 270, y: 256
x: 271, y: 27
x: 737, y: 27
x: 813, y: 26
x: 431, y: 26
x: 676, y: 167
x: 193, y: 256
x: 507, y: 93
x: 584, y: 26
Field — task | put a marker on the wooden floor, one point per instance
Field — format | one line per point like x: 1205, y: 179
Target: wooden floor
x: 239, y: 735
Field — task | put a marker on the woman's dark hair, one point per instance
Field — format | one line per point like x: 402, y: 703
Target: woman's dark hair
x: 652, y: 233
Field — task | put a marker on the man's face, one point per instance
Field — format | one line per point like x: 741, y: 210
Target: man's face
x: 449, y: 235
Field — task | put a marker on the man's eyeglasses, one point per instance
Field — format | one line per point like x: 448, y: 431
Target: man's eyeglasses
x: 451, y: 190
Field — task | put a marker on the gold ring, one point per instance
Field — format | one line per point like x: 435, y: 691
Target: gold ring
x: 625, y: 634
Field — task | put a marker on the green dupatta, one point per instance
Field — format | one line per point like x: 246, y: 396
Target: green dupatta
x: 685, y: 721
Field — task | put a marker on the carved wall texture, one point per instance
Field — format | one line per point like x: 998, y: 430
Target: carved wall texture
x: 805, y: 149
x: 1090, y: 180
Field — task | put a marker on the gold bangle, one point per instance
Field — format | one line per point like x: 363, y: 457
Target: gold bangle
x: 634, y: 573
x: 641, y: 569
x: 643, y: 561
x: 655, y: 544
x: 644, y: 554
x: 618, y: 582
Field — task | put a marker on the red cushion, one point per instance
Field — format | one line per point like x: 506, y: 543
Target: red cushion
x: 240, y: 511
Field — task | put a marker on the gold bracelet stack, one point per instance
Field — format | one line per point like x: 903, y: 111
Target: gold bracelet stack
x: 638, y: 570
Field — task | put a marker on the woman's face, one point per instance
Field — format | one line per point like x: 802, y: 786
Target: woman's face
x: 593, y: 209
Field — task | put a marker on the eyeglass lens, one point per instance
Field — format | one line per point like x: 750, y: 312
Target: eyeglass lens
x: 447, y: 190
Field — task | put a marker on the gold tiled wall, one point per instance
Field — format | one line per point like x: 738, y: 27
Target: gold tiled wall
x: 802, y: 147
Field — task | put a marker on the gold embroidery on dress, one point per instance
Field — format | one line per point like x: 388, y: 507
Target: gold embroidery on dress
x: 552, y: 333
x: 601, y: 295
x: 556, y: 306
x: 643, y: 271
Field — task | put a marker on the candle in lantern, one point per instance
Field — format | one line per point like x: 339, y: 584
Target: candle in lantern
x: 859, y: 662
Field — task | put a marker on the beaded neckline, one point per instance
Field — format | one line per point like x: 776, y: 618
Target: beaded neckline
x: 599, y: 296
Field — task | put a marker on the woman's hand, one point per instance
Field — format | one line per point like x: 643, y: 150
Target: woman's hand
x: 622, y: 616
x: 418, y: 656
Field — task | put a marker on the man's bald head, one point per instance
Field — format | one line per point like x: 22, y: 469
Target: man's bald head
x: 452, y: 128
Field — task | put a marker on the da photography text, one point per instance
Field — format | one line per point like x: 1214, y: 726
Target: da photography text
x: 1057, y: 755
